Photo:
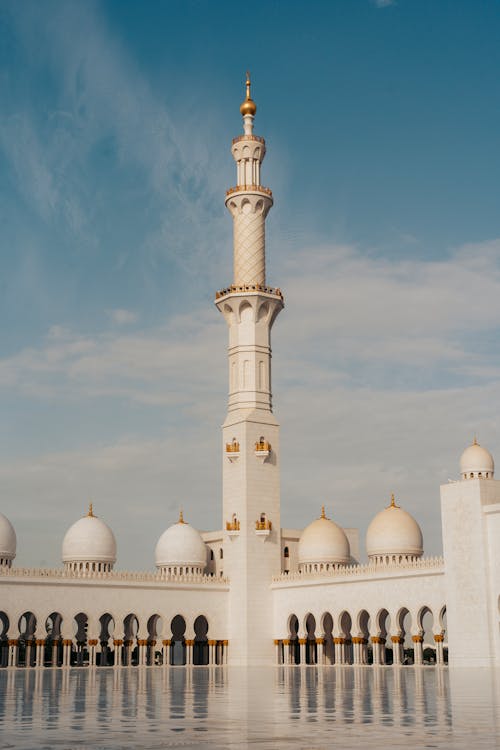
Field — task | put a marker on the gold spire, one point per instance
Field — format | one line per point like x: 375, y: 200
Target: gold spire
x: 248, y: 107
x: 474, y: 442
x: 323, y: 514
x: 393, y: 502
x: 181, y: 517
x: 90, y: 514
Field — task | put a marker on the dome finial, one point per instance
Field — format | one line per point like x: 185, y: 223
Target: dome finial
x: 248, y: 107
x: 323, y: 514
x: 474, y: 442
x: 393, y: 502
x: 181, y: 517
x: 90, y: 514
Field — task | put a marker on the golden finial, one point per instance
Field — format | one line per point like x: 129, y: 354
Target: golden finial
x: 90, y: 514
x: 323, y: 514
x: 474, y: 442
x: 393, y: 502
x: 248, y: 107
x: 181, y: 517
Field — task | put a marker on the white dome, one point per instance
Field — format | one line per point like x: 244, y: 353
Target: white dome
x: 393, y: 531
x: 476, y: 462
x: 323, y: 542
x: 182, y: 547
x: 8, y: 540
x: 89, y: 540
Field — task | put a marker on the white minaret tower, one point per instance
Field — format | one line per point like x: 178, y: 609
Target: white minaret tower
x: 251, y: 486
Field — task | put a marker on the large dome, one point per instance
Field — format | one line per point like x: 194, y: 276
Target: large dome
x: 476, y: 463
x: 323, y: 544
x: 181, y: 550
x: 394, y: 536
x: 89, y: 545
x: 8, y: 542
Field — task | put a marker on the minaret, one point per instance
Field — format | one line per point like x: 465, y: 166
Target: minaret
x: 250, y: 434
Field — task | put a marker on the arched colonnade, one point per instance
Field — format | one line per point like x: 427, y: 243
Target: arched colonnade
x: 403, y: 637
x: 29, y: 640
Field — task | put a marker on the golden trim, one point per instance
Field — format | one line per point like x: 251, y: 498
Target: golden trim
x: 249, y: 189
x: 237, y: 288
x: 417, y: 638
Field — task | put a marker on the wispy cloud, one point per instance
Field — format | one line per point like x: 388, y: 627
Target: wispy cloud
x: 122, y: 317
x: 378, y: 376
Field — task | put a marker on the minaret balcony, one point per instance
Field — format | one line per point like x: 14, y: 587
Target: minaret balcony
x: 244, y: 288
x: 233, y: 527
x: 262, y: 449
x: 263, y: 529
x: 233, y: 451
x: 249, y: 189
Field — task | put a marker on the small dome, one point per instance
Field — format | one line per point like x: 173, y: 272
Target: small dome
x: 181, y: 547
x: 90, y: 541
x: 394, y: 532
x: 8, y: 541
x: 323, y: 542
x: 476, y: 462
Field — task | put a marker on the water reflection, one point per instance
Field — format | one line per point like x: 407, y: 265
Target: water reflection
x: 217, y: 707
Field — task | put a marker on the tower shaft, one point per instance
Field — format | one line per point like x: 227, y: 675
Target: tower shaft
x: 250, y: 434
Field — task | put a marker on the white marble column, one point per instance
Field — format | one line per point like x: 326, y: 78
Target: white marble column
x: 418, y: 648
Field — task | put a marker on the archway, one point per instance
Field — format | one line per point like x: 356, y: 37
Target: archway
x: 344, y: 642
x: 154, y: 654
x: 4, y: 639
x: 80, y: 628
x: 131, y: 649
x: 178, y: 642
x: 200, y: 646
x: 425, y: 624
x: 106, y: 657
x: 53, y: 641
x: 27, y: 628
x: 329, y: 648
x: 293, y: 630
x: 362, y: 644
x: 311, y: 649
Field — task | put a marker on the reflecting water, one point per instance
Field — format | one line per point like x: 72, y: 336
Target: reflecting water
x: 217, y: 707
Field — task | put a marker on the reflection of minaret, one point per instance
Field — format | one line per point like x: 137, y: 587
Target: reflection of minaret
x: 251, y: 502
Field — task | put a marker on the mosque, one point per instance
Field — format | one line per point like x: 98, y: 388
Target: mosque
x: 254, y: 593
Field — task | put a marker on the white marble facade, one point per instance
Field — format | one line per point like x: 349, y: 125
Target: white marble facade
x: 253, y: 592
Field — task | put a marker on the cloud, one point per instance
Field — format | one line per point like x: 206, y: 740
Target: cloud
x: 382, y: 370
x: 105, y: 111
x: 122, y: 317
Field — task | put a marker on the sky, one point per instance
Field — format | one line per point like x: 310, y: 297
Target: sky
x: 383, y: 153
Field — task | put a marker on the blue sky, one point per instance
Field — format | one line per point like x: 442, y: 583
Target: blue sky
x: 382, y: 126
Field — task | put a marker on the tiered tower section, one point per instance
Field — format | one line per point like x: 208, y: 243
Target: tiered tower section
x: 251, y: 488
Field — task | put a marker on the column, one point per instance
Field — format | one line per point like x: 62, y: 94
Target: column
x: 418, y: 648
x: 189, y: 652
x: 166, y: 652
x: 212, y: 645
x: 142, y: 644
x: 27, y: 652
x: 438, y: 640
x: 55, y: 652
x: 118, y: 644
x: 302, y: 645
x: 67, y: 644
x: 339, y: 650
x: 286, y: 651
x: 356, y: 645
x: 397, y: 649
x: 321, y: 650
x: 225, y: 649
x: 92, y: 651
x: 13, y: 652
x: 276, y: 651
x: 40, y: 652
x: 151, y: 647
